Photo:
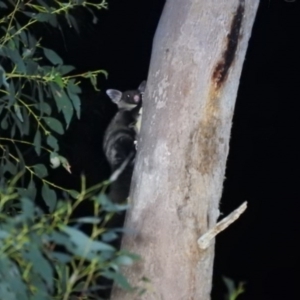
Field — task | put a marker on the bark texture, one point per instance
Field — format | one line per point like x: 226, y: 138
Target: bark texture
x: 196, y: 63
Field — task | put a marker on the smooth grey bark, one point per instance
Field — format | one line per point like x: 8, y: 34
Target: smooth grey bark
x: 196, y: 63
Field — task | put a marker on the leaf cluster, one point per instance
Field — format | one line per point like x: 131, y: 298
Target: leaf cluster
x: 38, y: 98
x: 46, y: 255
x: 233, y: 290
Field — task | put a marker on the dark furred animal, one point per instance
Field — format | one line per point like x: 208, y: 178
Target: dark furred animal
x: 119, y: 143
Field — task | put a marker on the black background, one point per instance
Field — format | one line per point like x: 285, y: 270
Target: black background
x: 263, y: 165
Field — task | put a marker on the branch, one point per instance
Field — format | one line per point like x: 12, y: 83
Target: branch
x: 205, y: 239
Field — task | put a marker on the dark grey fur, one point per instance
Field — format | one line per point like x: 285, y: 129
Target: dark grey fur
x: 119, y: 139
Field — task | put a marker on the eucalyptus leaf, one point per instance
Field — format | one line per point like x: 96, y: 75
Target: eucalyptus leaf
x: 52, y: 142
x: 40, y: 170
x: 11, y: 283
x: 109, y: 236
x: 47, y: 17
x: 18, y: 123
x: 60, y: 239
x: 54, y: 124
x: 41, y: 294
x: 76, y: 103
x: 27, y: 53
x: 21, y: 164
x: 3, y: 5
x: 44, y: 107
x: 63, y: 103
x: 37, y: 141
x: 10, y: 167
x: 3, y: 78
x: 18, y: 112
x: 13, y: 131
x: 124, y: 260
x: 229, y: 284
x: 40, y: 287
x: 6, y: 292
x: 95, y: 19
x: 4, y: 234
x: 89, y: 220
x: 59, y: 80
x: 27, y: 208
x: 31, y: 189
x: 11, y: 95
x: 52, y: 56
x: 74, y: 194
x: 29, y: 192
x: 4, y: 123
x: 65, y: 163
x: 85, y: 247
x: 61, y: 257
x: 45, y: 5
x: 67, y: 108
x: 73, y: 88
x: 31, y: 67
x: 49, y: 197
x: 72, y: 22
x: 63, y: 272
x: 109, y: 206
x: 29, y: 14
x: 14, y: 55
x: 23, y: 36
x: 40, y: 265
x: 11, y: 43
x: 26, y: 122
x: 119, y: 279
x: 65, y: 69
x: 41, y: 101
x: 31, y: 41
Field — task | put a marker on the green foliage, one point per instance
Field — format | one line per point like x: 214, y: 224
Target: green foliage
x: 38, y: 247
x: 233, y: 290
x: 46, y: 255
x: 37, y: 97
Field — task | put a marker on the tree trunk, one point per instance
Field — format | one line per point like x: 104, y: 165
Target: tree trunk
x: 196, y: 63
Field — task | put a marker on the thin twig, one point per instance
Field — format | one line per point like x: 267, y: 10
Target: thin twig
x: 205, y: 239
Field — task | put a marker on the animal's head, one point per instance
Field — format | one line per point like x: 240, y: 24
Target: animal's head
x: 128, y: 99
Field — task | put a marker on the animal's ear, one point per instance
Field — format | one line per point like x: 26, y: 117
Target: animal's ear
x: 142, y: 86
x: 114, y: 95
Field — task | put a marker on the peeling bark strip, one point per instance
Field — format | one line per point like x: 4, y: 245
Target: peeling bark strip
x: 221, y: 70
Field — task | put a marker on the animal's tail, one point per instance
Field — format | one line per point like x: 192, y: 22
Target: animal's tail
x: 120, y: 180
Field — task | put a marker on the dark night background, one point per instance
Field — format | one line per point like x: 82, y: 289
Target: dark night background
x: 261, y: 247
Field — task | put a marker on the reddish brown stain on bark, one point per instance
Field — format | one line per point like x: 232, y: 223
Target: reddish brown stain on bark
x: 209, y: 127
